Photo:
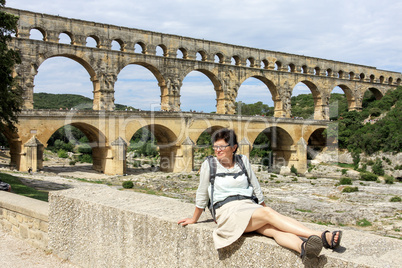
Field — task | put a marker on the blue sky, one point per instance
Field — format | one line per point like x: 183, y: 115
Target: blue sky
x: 367, y: 32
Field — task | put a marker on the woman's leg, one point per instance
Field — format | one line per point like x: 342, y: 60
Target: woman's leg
x: 284, y: 239
x: 266, y: 215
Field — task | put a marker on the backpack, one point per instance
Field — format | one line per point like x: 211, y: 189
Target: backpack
x: 4, y: 186
x: 212, y: 175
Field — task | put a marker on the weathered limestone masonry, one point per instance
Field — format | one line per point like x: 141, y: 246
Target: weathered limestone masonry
x: 26, y: 218
x: 280, y: 72
x: 109, y: 132
x: 226, y: 65
x: 102, y: 227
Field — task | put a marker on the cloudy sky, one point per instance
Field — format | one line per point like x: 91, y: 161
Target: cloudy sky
x: 367, y: 32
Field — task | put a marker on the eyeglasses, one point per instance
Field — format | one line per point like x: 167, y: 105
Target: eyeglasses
x: 220, y: 147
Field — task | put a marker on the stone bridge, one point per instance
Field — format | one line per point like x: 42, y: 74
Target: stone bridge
x: 226, y: 65
x: 109, y: 132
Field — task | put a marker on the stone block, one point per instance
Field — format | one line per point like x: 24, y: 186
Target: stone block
x: 139, y: 230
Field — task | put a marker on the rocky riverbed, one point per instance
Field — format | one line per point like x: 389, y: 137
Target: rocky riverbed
x: 311, y: 197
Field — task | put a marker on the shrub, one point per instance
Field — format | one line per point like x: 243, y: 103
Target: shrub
x: 293, y: 170
x: 370, y: 162
x: 128, y: 184
x: 395, y: 199
x: 356, y: 159
x: 344, y: 171
x: 85, y: 158
x: 377, y: 168
x: 62, y: 153
x: 389, y: 179
x: 85, y: 149
x: 345, y: 181
x: 72, y: 162
x: 367, y: 176
x: 349, y: 189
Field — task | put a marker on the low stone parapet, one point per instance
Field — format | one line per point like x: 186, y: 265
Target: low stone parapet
x: 103, y: 227
x: 25, y: 218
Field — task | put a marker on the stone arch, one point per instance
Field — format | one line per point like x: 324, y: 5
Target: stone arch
x: 341, y: 74
x: 398, y: 81
x: 203, y: 54
x: 70, y: 35
x: 41, y: 30
x: 184, y: 51
x: 291, y: 67
x: 317, y: 71
x: 164, y: 50
x: 319, y: 104
x: 376, y: 92
x: 82, y: 61
x: 14, y: 142
x: 166, y: 140
x: 282, y: 145
x: 221, y: 57
x: 250, y: 62
x: 235, y: 60
x: 220, y: 99
x: 278, y: 65
x: 317, y: 142
x: 270, y: 85
x: 120, y: 42
x: 351, y: 98
x: 96, y: 38
x: 142, y: 46
x: 97, y: 140
x: 157, y: 74
x: 265, y: 64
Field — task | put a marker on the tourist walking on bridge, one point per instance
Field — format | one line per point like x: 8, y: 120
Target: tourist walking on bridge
x: 230, y: 185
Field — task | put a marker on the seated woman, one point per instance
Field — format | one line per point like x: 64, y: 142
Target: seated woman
x: 237, y: 213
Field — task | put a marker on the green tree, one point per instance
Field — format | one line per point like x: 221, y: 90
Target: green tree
x: 10, y: 93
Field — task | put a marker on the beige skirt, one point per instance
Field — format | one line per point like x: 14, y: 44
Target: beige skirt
x: 232, y: 219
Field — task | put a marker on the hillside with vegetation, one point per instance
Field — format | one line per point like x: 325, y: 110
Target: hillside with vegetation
x: 66, y: 101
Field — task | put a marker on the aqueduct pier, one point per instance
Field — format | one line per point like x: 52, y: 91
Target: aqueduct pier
x: 226, y: 65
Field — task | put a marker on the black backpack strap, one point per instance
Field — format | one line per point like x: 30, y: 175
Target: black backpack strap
x: 212, y: 174
x: 240, y: 162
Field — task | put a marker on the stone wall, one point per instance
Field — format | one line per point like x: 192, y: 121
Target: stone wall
x: 102, y: 227
x: 26, y: 218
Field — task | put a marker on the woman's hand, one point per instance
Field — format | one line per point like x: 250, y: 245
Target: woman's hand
x: 194, y: 219
x: 186, y: 221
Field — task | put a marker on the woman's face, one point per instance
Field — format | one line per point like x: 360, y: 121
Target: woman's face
x: 223, y: 151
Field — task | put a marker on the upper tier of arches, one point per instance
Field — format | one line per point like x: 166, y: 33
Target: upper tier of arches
x: 132, y: 40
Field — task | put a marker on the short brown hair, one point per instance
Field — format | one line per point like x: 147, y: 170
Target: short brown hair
x: 228, y: 135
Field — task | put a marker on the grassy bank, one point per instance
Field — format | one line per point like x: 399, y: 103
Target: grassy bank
x: 18, y: 187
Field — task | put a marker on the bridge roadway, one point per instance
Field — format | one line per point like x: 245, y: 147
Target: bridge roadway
x: 109, y: 133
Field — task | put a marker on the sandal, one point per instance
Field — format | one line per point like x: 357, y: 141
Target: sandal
x: 333, y: 244
x: 311, y: 248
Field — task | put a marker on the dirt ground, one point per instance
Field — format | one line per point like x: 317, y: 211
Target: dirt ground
x: 315, y: 197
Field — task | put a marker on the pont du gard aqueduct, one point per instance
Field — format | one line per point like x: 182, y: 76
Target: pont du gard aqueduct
x: 226, y: 65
